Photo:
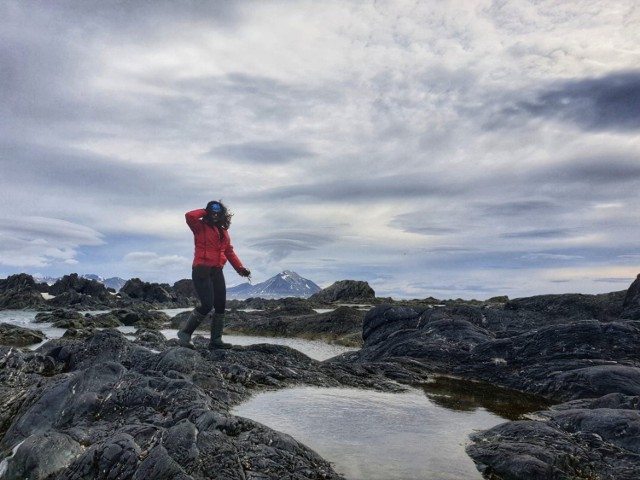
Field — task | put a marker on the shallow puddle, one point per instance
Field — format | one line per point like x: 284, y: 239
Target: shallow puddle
x: 419, y: 434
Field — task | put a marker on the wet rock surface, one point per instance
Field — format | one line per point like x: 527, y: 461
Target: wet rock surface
x: 102, y: 406
x: 19, y: 336
x: 352, y: 291
x: 564, y: 348
x: 342, y: 325
x: 150, y: 409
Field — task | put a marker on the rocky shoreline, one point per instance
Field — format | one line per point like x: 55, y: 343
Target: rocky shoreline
x: 102, y: 406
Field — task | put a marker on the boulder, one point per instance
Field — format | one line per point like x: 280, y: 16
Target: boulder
x: 148, y: 292
x: 20, y: 281
x: 19, y: 292
x: 347, y: 291
x: 184, y: 289
x: 57, y: 315
x: 81, y: 286
x: 140, y: 317
x: 595, y: 439
x: 19, y: 336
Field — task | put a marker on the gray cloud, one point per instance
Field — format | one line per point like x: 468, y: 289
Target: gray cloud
x: 133, y: 18
x: 519, y: 207
x: 281, y: 244
x: 540, y: 233
x: 261, y: 153
x: 40, y: 241
x: 607, y: 103
x: 74, y: 176
x: 601, y: 170
x: 423, y: 223
x: 365, y: 188
x: 481, y: 133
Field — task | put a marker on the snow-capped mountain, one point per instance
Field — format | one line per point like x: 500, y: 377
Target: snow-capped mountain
x: 44, y: 279
x: 114, y: 282
x: 285, y: 284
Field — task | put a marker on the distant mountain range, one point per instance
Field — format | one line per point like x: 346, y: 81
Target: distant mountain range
x: 285, y: 284
x: 114, y: 282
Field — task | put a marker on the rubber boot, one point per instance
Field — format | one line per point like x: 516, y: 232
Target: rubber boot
x: 217, y: 325
x: 184, y: 335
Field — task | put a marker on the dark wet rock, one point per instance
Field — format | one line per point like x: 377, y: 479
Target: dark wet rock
x: 20, y: 281
x: 178, y: 320
x: 66, y: 318
x: 268, y: 304
x: 140, y: 317
x: 343, y: 325
x: 346, y: 291
x: 577, y: 348
x: 59, y: 314
x: 603, y: 307
x: 440, y: 343
x: 41, y: 455
x: 148, y: 292
x: 107, y: 408
x: 594, y: 439
x: 80, y: 285
x: 631, y: 304
x: 184, y: 289
x: 19, y: 336
x: 19, y: 292
x: 150, y: 339
x: 567, y: 361
x: 80, y: 293
x: 559, y: 361
x: 292, y: 310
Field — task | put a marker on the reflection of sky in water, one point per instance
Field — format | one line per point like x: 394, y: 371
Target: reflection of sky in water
x: 373, y: 435
x: 314, y: 349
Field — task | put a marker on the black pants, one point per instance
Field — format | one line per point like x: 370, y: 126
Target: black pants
x: 210, y: 287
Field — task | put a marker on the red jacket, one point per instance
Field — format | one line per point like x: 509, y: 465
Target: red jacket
x: 210, y: 249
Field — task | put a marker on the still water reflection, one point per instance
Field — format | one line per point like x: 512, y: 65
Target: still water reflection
x: 420, y: 434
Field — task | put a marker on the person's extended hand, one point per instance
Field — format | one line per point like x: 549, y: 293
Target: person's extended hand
x: 244, y: 272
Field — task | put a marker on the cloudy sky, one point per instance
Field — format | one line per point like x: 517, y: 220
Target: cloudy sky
x: 446, y: 148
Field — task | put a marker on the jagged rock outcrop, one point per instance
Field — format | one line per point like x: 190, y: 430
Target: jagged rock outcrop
x: 348, y: 291
x: 148, y: 292
x: 81, y: 293
x: 20, y: 291
x: 80, y: 285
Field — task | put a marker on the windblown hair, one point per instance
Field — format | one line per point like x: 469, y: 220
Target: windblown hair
x: 226, y: 214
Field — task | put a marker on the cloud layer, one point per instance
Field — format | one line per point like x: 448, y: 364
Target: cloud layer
x: 432, y: 149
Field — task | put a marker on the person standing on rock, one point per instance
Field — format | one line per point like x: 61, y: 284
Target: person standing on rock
x: 212, y: 250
